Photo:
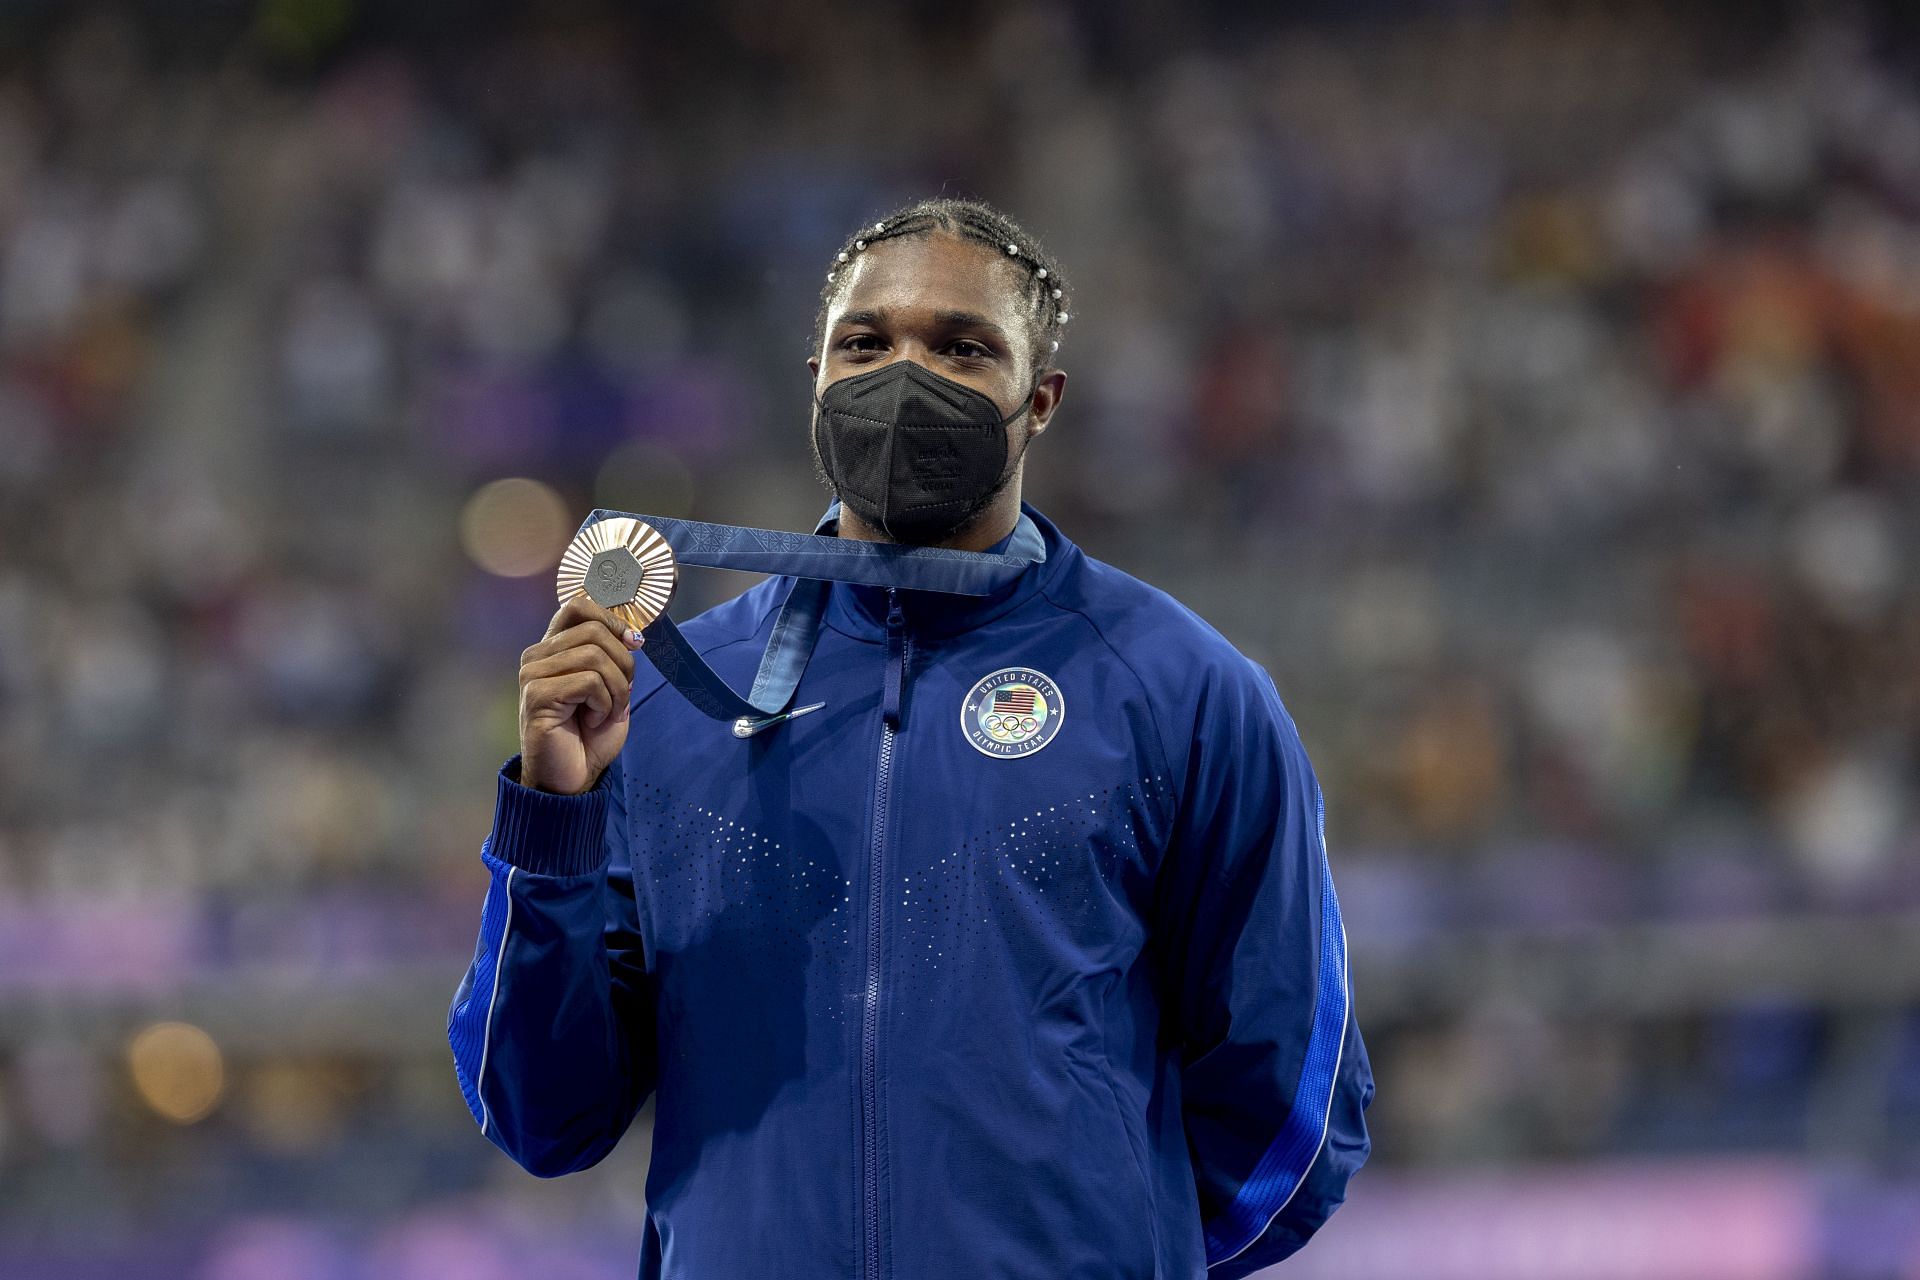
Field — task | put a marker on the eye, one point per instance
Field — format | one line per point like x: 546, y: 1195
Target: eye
x: 860, y: 342
x: 968, y: 349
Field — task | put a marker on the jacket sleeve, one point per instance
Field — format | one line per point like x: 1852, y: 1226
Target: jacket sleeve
x: 1274, y: 1077
x: 552, y: 1027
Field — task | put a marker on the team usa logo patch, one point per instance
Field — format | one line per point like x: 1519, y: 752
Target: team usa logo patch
x: 1013, y: 712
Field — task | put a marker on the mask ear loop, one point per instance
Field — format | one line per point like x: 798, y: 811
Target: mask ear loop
x: 1026, y: 405
x: 1014, y: 462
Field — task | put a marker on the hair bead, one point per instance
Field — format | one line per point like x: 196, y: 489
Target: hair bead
x: 1056, y: 293
x: 1042, y: 273
x: 1013, y: 249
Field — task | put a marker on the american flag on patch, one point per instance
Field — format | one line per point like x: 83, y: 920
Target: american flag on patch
x: 1013, y: 701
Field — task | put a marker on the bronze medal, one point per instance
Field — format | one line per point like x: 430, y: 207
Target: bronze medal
x: 623, y: 564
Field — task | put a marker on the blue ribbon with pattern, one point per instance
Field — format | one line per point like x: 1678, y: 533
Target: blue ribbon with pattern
x: 813, y: 561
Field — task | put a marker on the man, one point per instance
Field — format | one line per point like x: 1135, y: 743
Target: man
x: 1019, y: 957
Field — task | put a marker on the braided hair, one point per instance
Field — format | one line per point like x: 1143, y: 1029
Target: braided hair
x: 1043, y: 286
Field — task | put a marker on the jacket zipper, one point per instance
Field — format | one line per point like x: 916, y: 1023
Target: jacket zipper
x: 873, y: 1141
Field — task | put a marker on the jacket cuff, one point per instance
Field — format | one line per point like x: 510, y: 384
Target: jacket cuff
x: 549, y: 834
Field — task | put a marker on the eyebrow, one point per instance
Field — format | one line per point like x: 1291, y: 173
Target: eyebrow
x: 945, y: 319
x: 968, y: 320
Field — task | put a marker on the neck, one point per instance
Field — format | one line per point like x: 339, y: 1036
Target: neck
x: 977, y: 534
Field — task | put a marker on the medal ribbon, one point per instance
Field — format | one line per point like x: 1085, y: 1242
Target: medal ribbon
x: 814, y: 561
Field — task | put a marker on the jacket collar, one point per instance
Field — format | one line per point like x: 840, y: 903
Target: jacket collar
x: 861, y: 611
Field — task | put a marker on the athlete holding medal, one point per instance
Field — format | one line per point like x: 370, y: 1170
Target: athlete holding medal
x: 1060, y: 990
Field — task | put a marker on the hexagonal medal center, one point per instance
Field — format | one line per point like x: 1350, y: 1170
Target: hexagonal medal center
x: 613, y: 577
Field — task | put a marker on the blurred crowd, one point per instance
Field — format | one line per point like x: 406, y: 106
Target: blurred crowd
x: 1535, y: 391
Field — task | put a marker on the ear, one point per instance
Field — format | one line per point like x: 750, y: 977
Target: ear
x: 813, y: 366
x: 1046, y: 398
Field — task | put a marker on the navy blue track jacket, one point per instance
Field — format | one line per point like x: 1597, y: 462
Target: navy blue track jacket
x: 1020, y: 959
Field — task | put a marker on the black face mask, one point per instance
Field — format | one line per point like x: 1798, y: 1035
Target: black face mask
x: 913, y: 454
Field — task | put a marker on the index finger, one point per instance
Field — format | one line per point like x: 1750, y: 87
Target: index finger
x: 582, y: 608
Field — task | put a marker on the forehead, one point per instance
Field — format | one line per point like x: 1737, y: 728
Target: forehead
x: 933, y: 272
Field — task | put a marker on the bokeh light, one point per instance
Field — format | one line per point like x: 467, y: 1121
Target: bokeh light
x: 514, y: 527
x: 177, y: 1070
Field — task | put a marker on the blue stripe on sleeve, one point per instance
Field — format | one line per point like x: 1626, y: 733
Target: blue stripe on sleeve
x: 1278, y: 1175
x: 470, y: 1023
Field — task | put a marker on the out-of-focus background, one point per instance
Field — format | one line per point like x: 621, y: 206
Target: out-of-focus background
x: 1534, y: 388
